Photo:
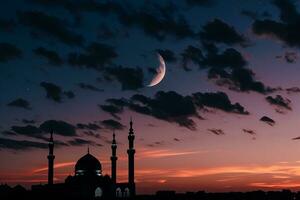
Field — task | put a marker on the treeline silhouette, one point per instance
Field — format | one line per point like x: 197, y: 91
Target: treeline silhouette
x: 19, y: 192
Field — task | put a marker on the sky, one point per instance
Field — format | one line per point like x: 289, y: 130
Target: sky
x: 223, y: 118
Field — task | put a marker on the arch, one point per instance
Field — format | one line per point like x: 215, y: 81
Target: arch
x: 118, y: 192
x: 126, y: 192
x: 98, y: 192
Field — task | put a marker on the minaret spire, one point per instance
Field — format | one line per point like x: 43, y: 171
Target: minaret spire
x: 51, y: 159
x: 114, y: 159
x: 131, y: 152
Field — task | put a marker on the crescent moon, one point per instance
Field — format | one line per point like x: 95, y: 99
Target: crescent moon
x: 160, y: 72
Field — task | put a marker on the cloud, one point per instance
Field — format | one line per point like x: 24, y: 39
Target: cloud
x: 227, y: 68
x: 112, y: 124
x: 156, y: 144
x: 279, y: 101
x: 290, y: 57
x: 7, y: 25
x: 21, y: 103
x: 296, y: 138
x: 157, y: 21
x: 286, y: 29
x: 249, y: 131
x: 130, y: 78
x: 69, y: 94
x: 28, y: 130
x: 59, y: 127
x: 254, y: 14
x: 211, y: 32
x: 81, y: 142
x: 251, y: 14
x: 89, y: 126
x: 191, y: 55
x: 169, y: 106
x: 52, y: 57
x: 9, y: 52
x: 42, y: 132
x: 175, y: 108
x: 218, y: 100
x: 26, y: 121
x: 112, y: 109
x: 268, y: 120
x: 50, y: 26
x: 292, y: 90
x: 54, y: 92
x: 96, y: 56
x: 168, y: 55
x: 21, y: 145
x: 204, y: 3
x: 89, y: 87
x: 216, y: 131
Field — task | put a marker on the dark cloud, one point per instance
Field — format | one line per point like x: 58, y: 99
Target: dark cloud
x: 21, y: 144
x: 191, y: 55
x: 211, y: 32
x: 52, y: 26
x: 112, y: 109
x: 175, y: 108
x: 69, y: 94
x: 292, y: 90
x: 286, y: 29
x: 169, y: 106
x: 28, y: 130
x: 9, y: 52
x: 81, y: 142
x: 7, y: 25
x: 218, y: 100
x: 216, y: 131
x: 168, y: 55
x: 26, y: 121
x: 176, y: 139
x: 41, y: 132
x: 92, y: 134
x: 296, y: 138
x: 279, y: 101
x: 268, y: 120
x: 156, y: 144
x: 251, y: 14
x: 96, y: 56
x: 53, y: 91
x: 205, y: 3
x: 52, y: 57
x: 89, y: 87
x: 112, y: 124
x: 89, y: 126
x: 158, y: 21
x: 21, y: 103
x: 249, y: 131
x: 58, y: 127
x: 227, y: 68
x: 290, y: 57
x: 255, y: 14
x: 130, y: 78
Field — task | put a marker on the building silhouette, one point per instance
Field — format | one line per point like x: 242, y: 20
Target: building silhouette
x: 88, y: 181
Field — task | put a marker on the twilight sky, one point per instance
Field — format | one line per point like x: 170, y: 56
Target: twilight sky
x: 224, y: 118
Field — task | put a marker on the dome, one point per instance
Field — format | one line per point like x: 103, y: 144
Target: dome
x: 88, y: 165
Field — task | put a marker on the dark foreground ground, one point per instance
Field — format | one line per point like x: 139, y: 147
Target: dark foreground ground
x: 18, y: 192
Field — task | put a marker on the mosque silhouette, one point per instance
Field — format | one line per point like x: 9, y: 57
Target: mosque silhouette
x: 88, y: 181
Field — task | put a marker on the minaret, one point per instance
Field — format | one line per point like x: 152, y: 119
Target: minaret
x: 131, y: 152
x: 50, y: 159
x: 114, y: 159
